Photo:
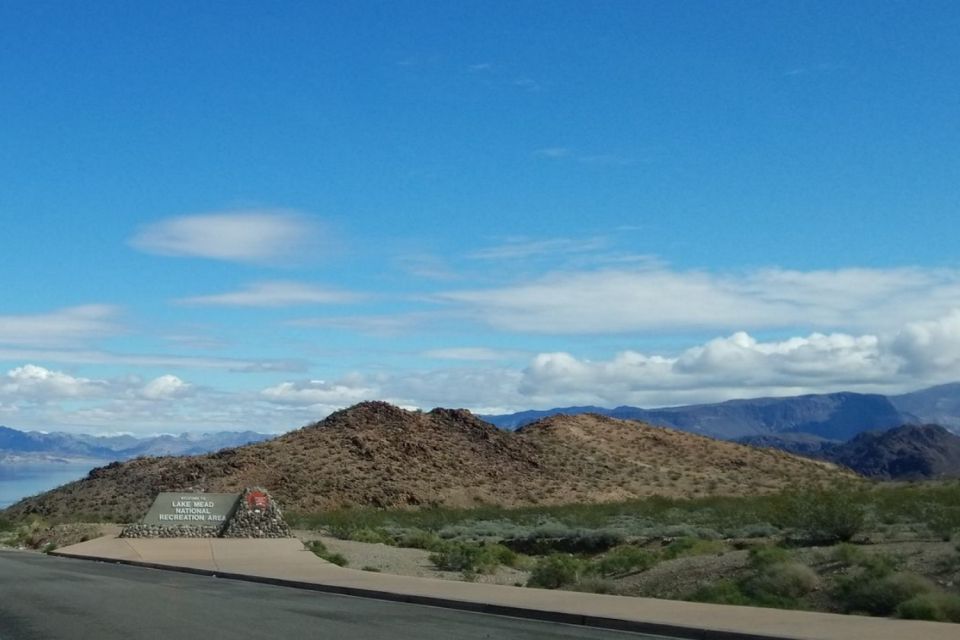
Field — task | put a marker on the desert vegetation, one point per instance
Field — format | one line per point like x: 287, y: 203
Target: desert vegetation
x: 886, y: 550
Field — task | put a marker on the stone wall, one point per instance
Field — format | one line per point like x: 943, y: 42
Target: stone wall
x: 174, y: 531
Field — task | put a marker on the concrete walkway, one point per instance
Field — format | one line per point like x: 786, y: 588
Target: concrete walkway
x: 286, y: 562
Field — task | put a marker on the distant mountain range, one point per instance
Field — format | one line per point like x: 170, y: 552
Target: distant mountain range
x: 810, y: 419
x: 25, y: 446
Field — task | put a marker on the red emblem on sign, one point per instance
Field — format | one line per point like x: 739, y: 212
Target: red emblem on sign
x: 258, y: 500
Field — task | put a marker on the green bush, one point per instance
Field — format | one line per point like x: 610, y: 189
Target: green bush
x: 822, y: 517
x: 624, y: 559
x: 366, y: 534
x: 721, y: 592
x: 420, y: 539
x: 692, y: 547
x: 761, y: 557
x: 937, y: 606
x: 860, y: 594
x: 782, y: 580
x: 321, y: 551
x: 470, y: 557
x: 7, y: 524
x: 555, y: 571
x: 874, y: 565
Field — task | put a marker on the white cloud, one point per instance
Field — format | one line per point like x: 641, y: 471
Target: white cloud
x: 469, y: 353
x: 520, y: 248
x: 256, y: 236
x: 930, y: 346
x: 275, y: 294
x: 655, y: 298
x: 337, y: 394
x: 81, y: 356
x: 33, y: 383
x: 165, y: 387
x: 64, y: 327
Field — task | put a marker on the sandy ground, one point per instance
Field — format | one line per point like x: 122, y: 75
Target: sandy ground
x: 405, y: 562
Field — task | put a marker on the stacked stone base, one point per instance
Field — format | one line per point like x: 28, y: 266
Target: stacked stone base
x: 175, y: 531
x: 249, y: 521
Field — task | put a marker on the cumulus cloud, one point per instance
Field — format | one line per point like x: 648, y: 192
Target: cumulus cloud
x: 255, y: 236
x: 164, y: 388
x: 34, y: 383
x: 655, y: 298
x: 930, y: 346
x: 337, y: 394
x: 275, y: 294
x: 64, y: 327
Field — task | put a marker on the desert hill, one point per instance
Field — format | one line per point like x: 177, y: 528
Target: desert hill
x: 375, y: 454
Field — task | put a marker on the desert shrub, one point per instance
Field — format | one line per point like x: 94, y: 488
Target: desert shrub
x: 622, y: 560
x: 874, y: 565
x: 321, y: 551
x: 824, y: 516
x: 781, y: 581
x: 881, y: 597
x: 594, y: 584
x: 547, y: 540
x: 366, y: 534
x: 720, y: 592
x: 6, y: 524
x: 470, y: 557
x: 943, y: 521
x: 692, y: 547
x: 370, y: 568
x: 555, y: 571
x: 419, y: 539
x: 937, y: 606
x: 762, y: 557
x: 755, y: 530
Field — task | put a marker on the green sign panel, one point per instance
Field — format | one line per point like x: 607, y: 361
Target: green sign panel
x: 194, y: 509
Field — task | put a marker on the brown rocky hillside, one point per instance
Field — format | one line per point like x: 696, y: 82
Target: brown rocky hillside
x: 375, y: 454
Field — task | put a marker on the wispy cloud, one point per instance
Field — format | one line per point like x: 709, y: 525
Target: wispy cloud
x: 275, y: 294
x: 94, y: 357
x: 482, y: 66
x: 65, y: 327
x: 520, y: 248
x: 476, y: 354
x: 253, y: 236
x: 656, y: 298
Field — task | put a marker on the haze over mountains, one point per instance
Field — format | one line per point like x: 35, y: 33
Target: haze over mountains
x: 37, y: 446
x: 376, y: 454
x: 833, y: 417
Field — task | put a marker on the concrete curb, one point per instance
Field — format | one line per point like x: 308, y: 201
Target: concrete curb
x: 617, y: 624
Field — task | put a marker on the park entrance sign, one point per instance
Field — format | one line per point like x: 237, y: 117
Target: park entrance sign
x: 193, y: 514
x: 194, y: 509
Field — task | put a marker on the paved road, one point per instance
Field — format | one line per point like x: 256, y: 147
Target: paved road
x: 46, y: 598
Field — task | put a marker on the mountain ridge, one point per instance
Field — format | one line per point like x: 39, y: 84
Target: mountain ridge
x: 377, y: 455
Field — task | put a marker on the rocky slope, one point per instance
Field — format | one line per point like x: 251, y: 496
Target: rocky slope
x: 910, y: 452
x: 375, y: 454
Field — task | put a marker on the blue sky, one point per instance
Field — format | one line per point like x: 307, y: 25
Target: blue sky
x: 250, y: 214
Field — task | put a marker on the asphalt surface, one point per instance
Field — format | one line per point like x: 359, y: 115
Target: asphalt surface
x: 47, y: 598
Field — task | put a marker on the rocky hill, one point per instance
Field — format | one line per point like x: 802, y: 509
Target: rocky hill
x: 909, y: 452
x: 375, y: 454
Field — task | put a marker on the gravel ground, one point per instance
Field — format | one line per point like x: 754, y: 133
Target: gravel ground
x: 401, y: 561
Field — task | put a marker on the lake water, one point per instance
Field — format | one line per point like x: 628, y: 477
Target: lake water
x: 20, y: 480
